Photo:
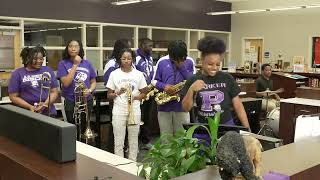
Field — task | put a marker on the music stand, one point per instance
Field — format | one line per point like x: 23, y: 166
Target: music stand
x: 266, y: 125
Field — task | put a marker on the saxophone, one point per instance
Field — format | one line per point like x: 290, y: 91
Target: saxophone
x: 162, y: 97
x: 130, y: 120
x: 152, y: 91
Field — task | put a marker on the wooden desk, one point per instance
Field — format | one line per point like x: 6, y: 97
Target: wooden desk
x: 299, y: 161
x: 20, y: 162
x: 290, y: 109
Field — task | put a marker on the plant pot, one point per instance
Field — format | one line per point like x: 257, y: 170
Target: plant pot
x: 210, y: 172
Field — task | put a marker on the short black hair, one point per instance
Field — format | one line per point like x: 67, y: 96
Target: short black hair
x: 122, y: 51
x: 27, y: 54
x: 177, y: 50
x: 119, y: 45
x: 66, y: 54
x: 263, y: 67
x: 210, y: 44
x: 143, y: 41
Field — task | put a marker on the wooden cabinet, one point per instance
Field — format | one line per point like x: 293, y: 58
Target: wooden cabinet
x: 290, y: 109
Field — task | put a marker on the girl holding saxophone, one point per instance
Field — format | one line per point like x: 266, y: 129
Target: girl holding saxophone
x: 127, y: 87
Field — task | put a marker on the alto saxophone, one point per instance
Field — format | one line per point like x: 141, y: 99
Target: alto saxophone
x: 152, y: 91
x: 130, y: 120
x: 163, y: 97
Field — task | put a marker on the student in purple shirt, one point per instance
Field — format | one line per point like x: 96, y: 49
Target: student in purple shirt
x: 144, y: 63
x: 171, y: 70
x: 112, y: 63
x: 72, y: 69
x: 25, y: 83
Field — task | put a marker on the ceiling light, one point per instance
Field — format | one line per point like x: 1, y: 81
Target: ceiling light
x: 313, y: 6
x: 220, y: 13
x: 119, y: 3
x: 251, y: 11
x: 263, y: 10
x: 285, y: 8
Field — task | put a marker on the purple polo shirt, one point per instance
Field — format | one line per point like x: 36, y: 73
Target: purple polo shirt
x: 85, y: 72
x: 28, y: 85
x: 168, y: 73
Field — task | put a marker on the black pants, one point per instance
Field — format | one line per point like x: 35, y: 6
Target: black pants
x: 144, y: 135
x: 69, y: 109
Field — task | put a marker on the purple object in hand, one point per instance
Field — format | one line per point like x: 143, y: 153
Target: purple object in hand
x: 275, y: 176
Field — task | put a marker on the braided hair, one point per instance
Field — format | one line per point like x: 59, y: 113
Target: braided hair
x: 28, y: 54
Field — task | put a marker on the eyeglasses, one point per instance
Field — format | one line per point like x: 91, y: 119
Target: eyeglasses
x: 74, y: 46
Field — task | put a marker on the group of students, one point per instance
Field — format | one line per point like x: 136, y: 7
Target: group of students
x: 124, y: 69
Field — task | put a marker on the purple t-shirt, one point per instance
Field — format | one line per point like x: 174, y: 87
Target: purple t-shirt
x: 85, y: 72
x: 28, y: 85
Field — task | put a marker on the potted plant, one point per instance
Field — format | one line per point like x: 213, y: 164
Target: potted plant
x: 173, y: 156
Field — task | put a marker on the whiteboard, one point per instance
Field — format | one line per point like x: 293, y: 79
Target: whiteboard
x: 6, y: 51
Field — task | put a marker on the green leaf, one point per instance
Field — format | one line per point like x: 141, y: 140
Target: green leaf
x: 191, y: 131
x: 164, y: 152
x: 186, y: 163
x: 154, y: 174
x: 183, y: 153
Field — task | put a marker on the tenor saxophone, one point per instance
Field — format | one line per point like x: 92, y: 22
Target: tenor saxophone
x: 152, y: 91
x: 163, y: 97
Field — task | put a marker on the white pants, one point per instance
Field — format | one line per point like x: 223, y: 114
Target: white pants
x: 119, y: 124
x: 170, y: 122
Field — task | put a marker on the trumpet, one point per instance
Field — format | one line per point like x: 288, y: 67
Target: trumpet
x: 152, y: 91
x: 79, y: 108
x: 163, y: 97
x: 45, y: 84
x: 130, y: 120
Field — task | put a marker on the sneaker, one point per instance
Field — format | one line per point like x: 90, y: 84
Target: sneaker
x: 147, y: 146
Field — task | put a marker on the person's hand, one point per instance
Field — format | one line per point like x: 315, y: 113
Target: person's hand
x: 179, y: 64
x: 197, y: 85
x: 77, y: 60
x: 121, y: 91
x: 40, y: 107
x: 87, y: 92
x: 169, y: 89
x: 280, y: 90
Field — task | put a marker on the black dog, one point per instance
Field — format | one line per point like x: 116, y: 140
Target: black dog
x: 233, y: 158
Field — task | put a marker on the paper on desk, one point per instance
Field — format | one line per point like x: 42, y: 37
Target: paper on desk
x: 306, y: 126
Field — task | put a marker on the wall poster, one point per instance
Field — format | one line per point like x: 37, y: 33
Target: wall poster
x: 315, y: 51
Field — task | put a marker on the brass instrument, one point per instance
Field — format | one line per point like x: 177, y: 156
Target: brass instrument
x: 45, y: 78
x: 79, y: 108
x: 130, y: 120
x: 152, y: 91
x: 162, y: 97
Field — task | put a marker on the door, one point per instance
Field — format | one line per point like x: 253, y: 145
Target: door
x: 253, y: 48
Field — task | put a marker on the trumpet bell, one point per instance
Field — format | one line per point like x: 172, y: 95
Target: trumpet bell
x: 89, y: 134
